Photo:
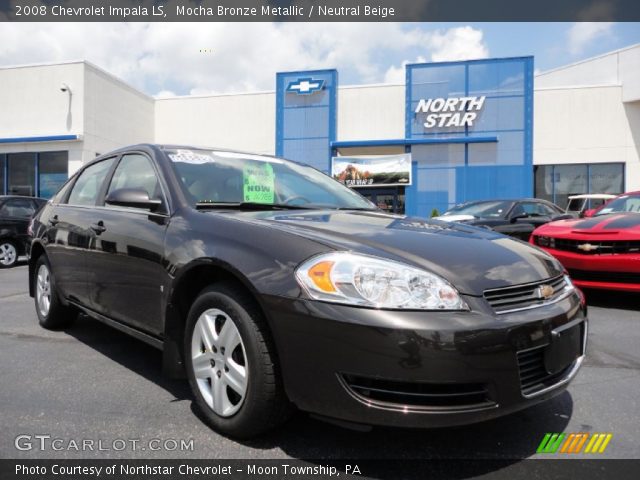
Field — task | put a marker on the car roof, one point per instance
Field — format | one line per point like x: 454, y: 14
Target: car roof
x: 512, y: 200
x: 163, y: 147
x: 592, y: 195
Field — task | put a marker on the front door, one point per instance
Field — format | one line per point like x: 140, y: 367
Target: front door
x: 389, y: 199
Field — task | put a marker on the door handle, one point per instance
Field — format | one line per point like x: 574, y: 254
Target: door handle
x: 98, y: 227
x: 54, y: 220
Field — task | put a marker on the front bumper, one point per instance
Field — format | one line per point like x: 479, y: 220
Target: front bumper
x: 606, y: 272
x: 420, y: 369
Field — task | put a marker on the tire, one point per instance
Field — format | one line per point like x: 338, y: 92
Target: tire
x: 52, y: 315
x: 225, y: 318
x: 8, y: 253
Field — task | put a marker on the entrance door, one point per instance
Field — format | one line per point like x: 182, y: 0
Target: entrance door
x: 389, y: 199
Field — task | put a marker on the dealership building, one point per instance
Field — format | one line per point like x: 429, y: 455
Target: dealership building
x: 452, y: 132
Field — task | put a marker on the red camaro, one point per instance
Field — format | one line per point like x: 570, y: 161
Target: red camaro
x: 602, y: 251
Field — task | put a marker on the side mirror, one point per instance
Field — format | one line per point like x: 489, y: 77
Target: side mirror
x: 589, y: 213
x: 132, y: 197
x: 519, y: 216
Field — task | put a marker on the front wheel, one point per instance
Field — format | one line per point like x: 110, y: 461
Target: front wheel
x: 231, y: 363
x: 51, y: 313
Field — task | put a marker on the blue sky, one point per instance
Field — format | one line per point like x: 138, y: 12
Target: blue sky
x: 166, y: 59
x: 548, y: 42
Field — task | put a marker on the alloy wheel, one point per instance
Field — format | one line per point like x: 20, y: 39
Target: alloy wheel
x: 219, y: 362
x: 43, y: 290
x: 8, y: 254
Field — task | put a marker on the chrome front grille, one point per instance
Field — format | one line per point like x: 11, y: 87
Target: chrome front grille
x: 530, y: 295
x: 593, y: 247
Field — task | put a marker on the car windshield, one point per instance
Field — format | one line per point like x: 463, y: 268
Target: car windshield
x: 576, y: 204
x: 625, y: 203
x: 215, y: 178
x: 496, y: 209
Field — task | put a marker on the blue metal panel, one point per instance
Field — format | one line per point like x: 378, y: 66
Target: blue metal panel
x: 51, y: 138
x: 414, y: 141
x: 306, y: 116
x: 499, y: 169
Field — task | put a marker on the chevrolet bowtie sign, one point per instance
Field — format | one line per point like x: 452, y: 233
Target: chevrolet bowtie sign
x: 450, y: 112
x: 305, y: 86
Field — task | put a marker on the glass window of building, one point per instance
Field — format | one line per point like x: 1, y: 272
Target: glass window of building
x: 557, y: 182
x: 544, y: 182
x: 606, y: 178
x: 21, y: 173
x: 569, y: 180
x: 52, y: 172
x: 2, y: 162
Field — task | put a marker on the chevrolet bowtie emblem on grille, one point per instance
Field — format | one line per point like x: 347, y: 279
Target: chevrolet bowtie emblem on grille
x: 545, y: 291
x: 587, y: 247
x: 305, y: 86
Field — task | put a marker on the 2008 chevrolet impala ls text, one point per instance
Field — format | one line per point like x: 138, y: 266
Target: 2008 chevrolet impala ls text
x: 272, y: 286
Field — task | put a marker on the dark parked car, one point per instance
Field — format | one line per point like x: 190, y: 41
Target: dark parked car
x: 516, y: 218
x: 15, y: 214
x: 269, y: 284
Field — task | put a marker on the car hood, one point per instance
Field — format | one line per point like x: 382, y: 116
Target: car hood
x: 472, y: 259
x: 622, y: 226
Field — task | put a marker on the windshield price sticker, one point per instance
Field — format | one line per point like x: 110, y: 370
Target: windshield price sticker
x: 259, y: 182
x: 188, y: 156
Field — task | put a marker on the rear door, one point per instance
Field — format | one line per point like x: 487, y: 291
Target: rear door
x: 127, y: 279
x: 69, y: 230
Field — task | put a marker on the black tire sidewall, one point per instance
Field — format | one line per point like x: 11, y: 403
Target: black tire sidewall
x: 248, y: 419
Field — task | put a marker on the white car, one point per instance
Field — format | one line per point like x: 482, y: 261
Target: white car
x: 578, y: 204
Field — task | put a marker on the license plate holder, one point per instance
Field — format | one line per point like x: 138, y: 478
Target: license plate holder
x: 565, y: 347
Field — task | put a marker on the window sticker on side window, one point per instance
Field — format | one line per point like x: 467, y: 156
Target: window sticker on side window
x: 258, y: 182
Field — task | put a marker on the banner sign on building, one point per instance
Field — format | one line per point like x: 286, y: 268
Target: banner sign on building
x: 372, y: 171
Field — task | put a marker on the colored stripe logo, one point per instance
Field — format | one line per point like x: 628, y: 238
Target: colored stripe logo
x: 574, y: 443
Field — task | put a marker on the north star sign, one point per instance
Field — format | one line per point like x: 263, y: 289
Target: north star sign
x: 450, y: 112
x: 305, y: 86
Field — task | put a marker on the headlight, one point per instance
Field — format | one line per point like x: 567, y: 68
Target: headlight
x: 543, y: 241
x: 549, y: 242
x: 357, y: 279
x: 569, y: 283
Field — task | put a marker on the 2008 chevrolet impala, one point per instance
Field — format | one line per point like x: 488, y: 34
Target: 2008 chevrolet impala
x: 270, y: 285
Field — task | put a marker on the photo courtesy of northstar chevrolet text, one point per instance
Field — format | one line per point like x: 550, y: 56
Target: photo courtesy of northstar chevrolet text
x: 390, y: 238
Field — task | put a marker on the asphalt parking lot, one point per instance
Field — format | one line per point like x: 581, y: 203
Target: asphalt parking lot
x: 92, y: 382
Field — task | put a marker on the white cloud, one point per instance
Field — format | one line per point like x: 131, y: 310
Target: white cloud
x: 459, y: 43
x: 201, y: 58
x: 396, y: 74
x: 165, y: 94
x: 581, y: 34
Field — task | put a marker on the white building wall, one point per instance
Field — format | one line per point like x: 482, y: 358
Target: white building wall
x: 32, y: 105
x: 371, y: 112
x: 589, y: 112
x: 116, y: 115
x: 241, y: 122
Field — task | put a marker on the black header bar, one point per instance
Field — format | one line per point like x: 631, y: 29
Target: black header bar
x: 317, y: 10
